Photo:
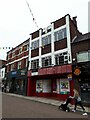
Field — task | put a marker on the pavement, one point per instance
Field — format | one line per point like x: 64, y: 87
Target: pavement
x: 47, y: 101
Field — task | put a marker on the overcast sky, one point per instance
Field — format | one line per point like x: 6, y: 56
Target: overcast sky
x: 16, y: 21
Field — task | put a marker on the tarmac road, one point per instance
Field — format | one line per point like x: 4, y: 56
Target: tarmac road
x: 14, y: 107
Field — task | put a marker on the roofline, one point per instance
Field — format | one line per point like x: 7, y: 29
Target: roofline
x: 18, y: 45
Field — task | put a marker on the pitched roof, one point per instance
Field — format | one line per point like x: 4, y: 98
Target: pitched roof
x: 81, y: 37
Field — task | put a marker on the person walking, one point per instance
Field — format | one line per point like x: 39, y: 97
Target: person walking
x: 78, y: 102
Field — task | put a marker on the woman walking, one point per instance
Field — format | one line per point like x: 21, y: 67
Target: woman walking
x: 78, y: 102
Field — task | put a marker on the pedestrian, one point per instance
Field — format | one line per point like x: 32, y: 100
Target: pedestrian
x: 78, y: 102
x: 2, y: 86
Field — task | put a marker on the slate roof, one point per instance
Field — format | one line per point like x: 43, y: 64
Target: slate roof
x: 81, y: 37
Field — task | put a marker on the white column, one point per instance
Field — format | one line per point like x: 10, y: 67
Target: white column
x: 68, y: 39
x: 40, y: 44
x: 52, y: 43
x: 30, y: 52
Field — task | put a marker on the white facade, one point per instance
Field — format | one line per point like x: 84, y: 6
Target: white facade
x: 2, y: 73
x: 53, y: 53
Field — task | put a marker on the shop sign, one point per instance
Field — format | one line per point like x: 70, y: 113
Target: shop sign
x: 77, y: 71
x: 69, y: 77
x: 22, y: 72
x: 13, y: 74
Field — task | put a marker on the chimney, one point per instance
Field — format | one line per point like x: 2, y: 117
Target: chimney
x: 75, y: 21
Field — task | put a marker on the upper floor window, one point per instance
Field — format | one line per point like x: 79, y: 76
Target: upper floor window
x: 26, y: 47
x: 61, y: 58
x: 35, y: 44
x: 13, y: 54
x: 35, y: 64
x: 59, y: 35
x: 46, y: 40
x: 19, y: 65
x: 83, y: 56
x: 46, y: 61
x: 9, y: 56
x: 20, y: 50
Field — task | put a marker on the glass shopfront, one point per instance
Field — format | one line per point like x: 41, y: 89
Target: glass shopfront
x: 17, y: 81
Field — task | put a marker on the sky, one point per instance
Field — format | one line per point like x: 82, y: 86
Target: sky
x: 16, y: 21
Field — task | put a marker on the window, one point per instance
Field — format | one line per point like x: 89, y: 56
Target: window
x: 12, y: 67
x: 20, y: 50
x: 26, y: 62
x: 83, y: 56
x: 19, y: 64
x: 2, y: 73
x: 13, y: 54
x: 35, y: 44
x: 59, y: 35
x: 61, y: 58
x: 26, y: 47
x: 46, y: 40
x: 35, y: 64
x: 46, y: 61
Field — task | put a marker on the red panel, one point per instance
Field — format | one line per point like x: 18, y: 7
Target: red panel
x: 29, y: 73
x: 50, y: 70
x: 28, y: 87
x: 69, y: 68
x: 57, y: 69
x: 46, y: 71
x: 64, y: 69
x: 31, y: 88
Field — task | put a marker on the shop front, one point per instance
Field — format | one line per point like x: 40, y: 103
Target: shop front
x: 17, y: 81
x: 83, y: 80
x: 50, y: 82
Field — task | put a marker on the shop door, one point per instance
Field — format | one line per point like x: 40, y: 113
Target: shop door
x: 54, y: 86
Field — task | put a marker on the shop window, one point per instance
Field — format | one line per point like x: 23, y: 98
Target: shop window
x: 64, y: 86
x: 43, y: 86
x: 59, y: 35
x: 35, y: 64
x: 12, y: 67
x: 35, y: 45
x: 19, y: 65
x: 46, y: 61
x: 2, y: 73
x: 46, y: 40
x: 39, y: 86
x: 61, y: 58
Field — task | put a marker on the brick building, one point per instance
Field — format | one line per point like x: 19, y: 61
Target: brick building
x: 81, y: 64
x: 2, y: 70
x: 16, y: 68
x: 50, y: 59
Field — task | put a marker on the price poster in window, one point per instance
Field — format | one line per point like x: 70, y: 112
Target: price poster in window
x: 39, y: 87
x: 64, y: 86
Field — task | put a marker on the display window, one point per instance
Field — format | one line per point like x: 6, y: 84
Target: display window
x: 64, y: 86
x: 43, y: 86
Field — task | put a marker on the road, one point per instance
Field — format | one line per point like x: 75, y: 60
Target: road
x: 14, y: 107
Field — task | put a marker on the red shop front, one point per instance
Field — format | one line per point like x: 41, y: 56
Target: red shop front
x: 53, y: 82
